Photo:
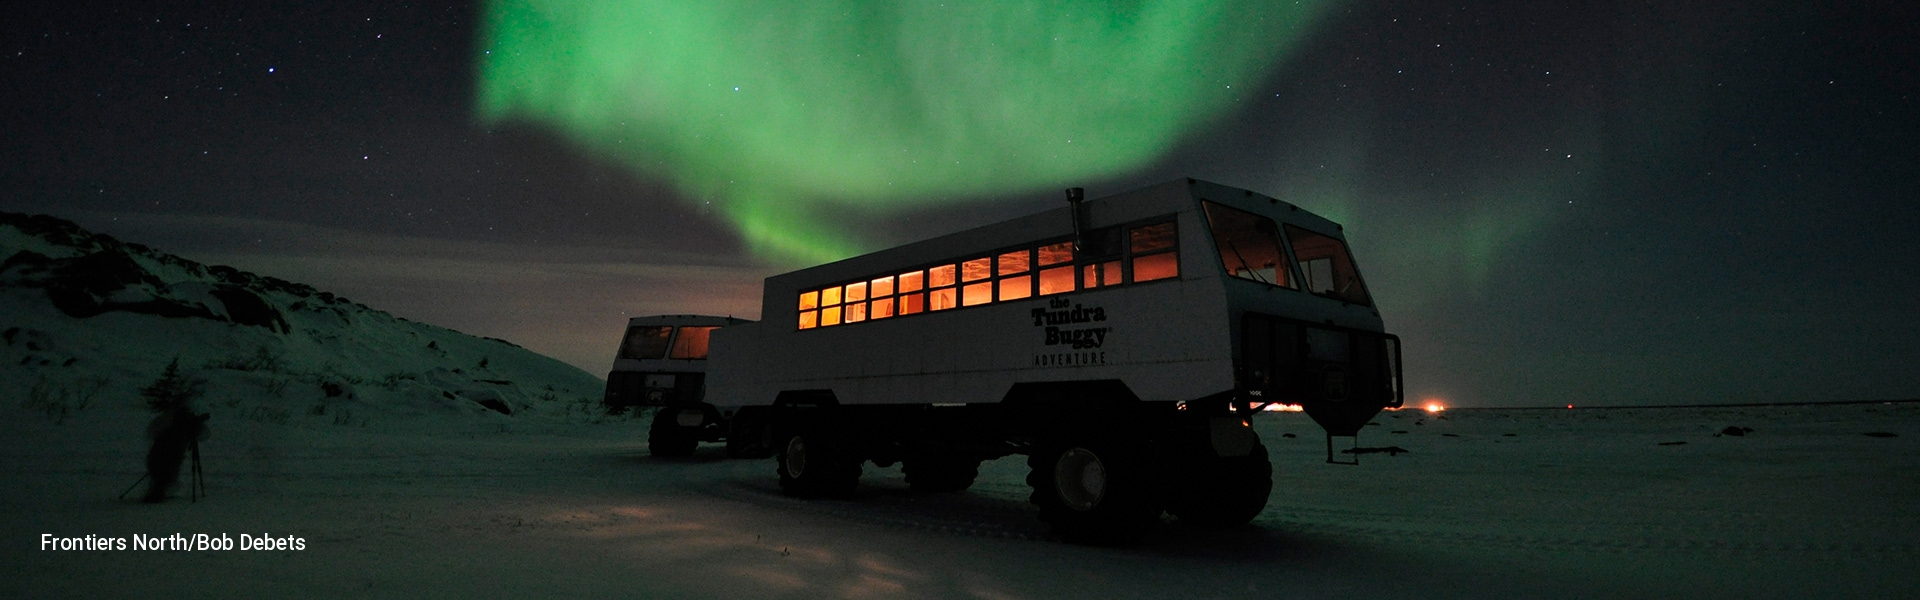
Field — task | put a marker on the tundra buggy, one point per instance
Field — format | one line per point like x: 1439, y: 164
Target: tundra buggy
x: 1121, y: 344
x: 662, y: 362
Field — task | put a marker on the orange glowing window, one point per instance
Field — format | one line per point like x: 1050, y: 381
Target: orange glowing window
x: 856, y: 291
x: 913, y: 303
x: 830, y: 316
x: 1156, y: 266
x: 1054, y: 254
x: 691, y: 343
x: 856, y: 312
x: 976, y: 269
x: 809, y: 319
x: 1057, y: 280
x: 1249, y: 245
x: 830, y: 296
x: 1013, y: 263
x: 1015, y: 288
x: 1151, y: 238
x: 942, y: 299
x: 881, y: 287
x: 1103, y: 274
x: 975, y: 294
x: 910, y: 282
x: 881, y: 309
x: 940, y: 276
x: 810, y: 301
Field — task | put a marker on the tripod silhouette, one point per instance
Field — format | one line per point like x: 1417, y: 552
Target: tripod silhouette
x: 196, y: 485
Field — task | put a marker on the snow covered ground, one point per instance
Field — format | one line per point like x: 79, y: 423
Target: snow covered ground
x: 1536, y: 504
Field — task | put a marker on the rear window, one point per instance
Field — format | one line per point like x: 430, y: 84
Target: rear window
x: 691, y: 344
x: 645, y: 342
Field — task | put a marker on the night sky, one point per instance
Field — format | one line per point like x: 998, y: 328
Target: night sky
x: 1554, y: 203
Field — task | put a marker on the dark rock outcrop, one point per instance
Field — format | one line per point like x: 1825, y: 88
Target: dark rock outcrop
x: 104, y: 275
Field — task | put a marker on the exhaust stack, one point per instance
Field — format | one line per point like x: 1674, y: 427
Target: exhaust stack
x: 1077, y: 209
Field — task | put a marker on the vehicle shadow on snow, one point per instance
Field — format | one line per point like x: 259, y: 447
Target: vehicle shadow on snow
x: 643, y: 456
x: 991, y: 509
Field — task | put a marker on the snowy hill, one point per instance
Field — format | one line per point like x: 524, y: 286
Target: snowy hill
x: 87, y: 320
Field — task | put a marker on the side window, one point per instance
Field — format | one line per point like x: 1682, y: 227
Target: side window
x: 1249, y: 245
x: 830, y: 306
x: 856, y: 302
x: 881, y: 290
x: 912, y: 299
x: 1326, y: 266
x: 809, y: 317
x: 691, y: 344
x: 645, y: 342
x: 1153, y: 252
x: 1014, y: 270
x: 1100, y: 258
x: 1056, y: 268
x: 976, y: 289
x: 1100, y: 274
x: 941, y: 294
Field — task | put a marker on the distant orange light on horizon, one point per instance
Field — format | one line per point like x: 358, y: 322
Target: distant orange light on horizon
x: 1434, y: 406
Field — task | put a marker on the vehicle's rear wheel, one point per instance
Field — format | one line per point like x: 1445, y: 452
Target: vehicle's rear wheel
x: 814, y: 465
x: 1093, y: 489
x: 666, y: 438
x: 938, y: 473
x: 1223, y: 491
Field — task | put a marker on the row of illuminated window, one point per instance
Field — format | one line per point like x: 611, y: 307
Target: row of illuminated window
x: 1041, y: 270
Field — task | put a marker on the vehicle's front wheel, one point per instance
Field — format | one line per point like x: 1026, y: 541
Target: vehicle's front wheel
x: 814, y: 465
x: 1094, y: 490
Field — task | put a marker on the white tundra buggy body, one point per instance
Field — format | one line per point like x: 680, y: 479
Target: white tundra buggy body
x: 1122, y: 344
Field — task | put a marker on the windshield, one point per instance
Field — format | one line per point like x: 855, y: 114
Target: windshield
x: 1326, y: 266
x: 1249, y: 245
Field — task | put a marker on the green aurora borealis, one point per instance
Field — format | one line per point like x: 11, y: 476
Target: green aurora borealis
x: 781, y: 114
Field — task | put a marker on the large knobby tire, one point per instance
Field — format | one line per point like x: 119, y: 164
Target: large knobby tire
x: 1094, y: 490
x: 940, y: 473
x: 813, y: 465
x: 1223, y: 491
x: 666, y: 438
